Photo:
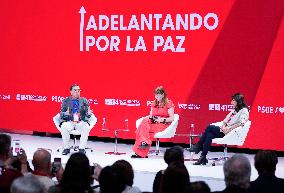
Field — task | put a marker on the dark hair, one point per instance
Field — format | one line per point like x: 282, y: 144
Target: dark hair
x: 5, y: 144
x: 124, y: 169
x: 175, y: 178
x: 173, y: 154
x: 110, y: 181
x: 240, y: 99
x: 73, y: 85
x: 198, y: 187
x: 76, y: 176
x: 265, y: 161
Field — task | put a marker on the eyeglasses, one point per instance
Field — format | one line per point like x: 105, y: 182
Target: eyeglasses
x: 77, y: 90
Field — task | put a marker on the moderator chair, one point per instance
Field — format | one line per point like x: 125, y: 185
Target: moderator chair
x: 75, y: 147
x: 169, y: 132
x: 236, y: 137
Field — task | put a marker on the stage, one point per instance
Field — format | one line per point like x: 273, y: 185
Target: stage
x: 145, y: 169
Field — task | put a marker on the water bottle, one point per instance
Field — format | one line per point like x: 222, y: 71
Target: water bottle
x: 126, y: 125
x: 104, y: 124
x: 192, y: 129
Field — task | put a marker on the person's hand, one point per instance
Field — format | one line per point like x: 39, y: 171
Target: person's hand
x: 59, y: 173
x: 222, y: 128
x: 225, y: 129
x: 22, y: 156
x: 160, y: 120
x: 90, y: 111
x: 9, y: 161
x: 97, y: 171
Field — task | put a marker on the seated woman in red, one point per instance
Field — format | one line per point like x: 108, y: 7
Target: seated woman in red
x: 161, y: 115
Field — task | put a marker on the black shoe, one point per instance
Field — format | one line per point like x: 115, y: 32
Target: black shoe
x: 82, y: 151
x: 201, y: 161
x: 65, y: 151
x: 195, y: 148
x: 143, y: 145
x: 137, y: 156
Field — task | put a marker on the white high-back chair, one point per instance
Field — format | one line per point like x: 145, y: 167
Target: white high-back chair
x: 92, y: 122
x: 236, y: 137
x: 169, y: 132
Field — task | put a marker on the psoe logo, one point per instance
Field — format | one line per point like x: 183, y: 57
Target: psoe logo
x: 58, y: 99
x: 270, y: 109
x: 219, y: 107
x: 5, y: 97
x: 93, y: 101
x: 30, y: 97
x: 122, y: 102
x: 189, y: 106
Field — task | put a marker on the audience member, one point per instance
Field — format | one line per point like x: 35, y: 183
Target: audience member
x: 42, y: 167
x: 171, y: 155
x: 118, y: 178
x: 237, y: 173
x: 75, y: 114
x: 7, y: 172
x: 265, y: 163
x: 125, y: 171
x: 175, y: 178
x: 27, y: 184
x: 76, y: 177
x: 110, y: 181
x: 198, y: 187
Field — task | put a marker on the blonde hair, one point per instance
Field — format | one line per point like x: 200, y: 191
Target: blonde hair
x: 161, y: 90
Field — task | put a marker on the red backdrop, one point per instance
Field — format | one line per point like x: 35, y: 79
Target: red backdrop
x: 41, y: 58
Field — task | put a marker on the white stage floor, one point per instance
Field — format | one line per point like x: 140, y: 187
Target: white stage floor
x: 145, y: 169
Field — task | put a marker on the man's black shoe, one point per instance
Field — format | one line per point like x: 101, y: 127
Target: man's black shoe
x: 143, y: 145
x: 65, y: 151
x: 201, y: 161
x: 137, y: 156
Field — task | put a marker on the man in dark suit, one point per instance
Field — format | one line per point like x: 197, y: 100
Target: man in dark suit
x: 74, y: 114
x: 265, y: 163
